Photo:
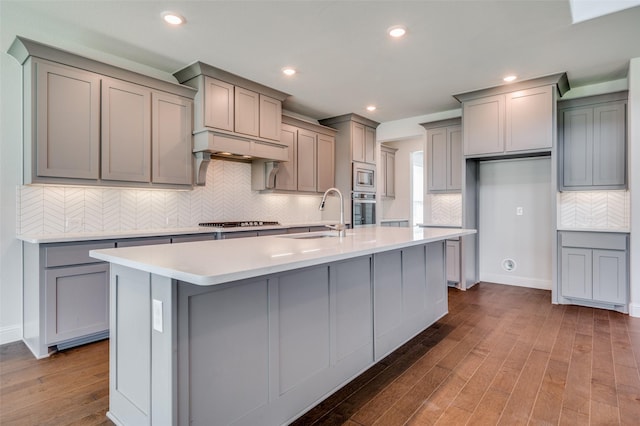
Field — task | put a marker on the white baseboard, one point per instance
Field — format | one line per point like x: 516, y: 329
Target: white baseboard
x: 634, y: 310
x: 10, y: 334
x: 517, y: 281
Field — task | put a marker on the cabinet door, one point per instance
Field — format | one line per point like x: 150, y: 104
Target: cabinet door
x: 270, y: 118
x: 609, y: 145
x: 219, y: 101
x: 67, y: 122
x: 126, y: 131
x: 306, y: 160
x: 77, y: 301
x: 247, y: 112
x: 357, y: 142
x: 171, y: 147
x: 483, y: 125
x: 529, y: 119
x: 437, y: 159
x: 390, y: 174
x: 287, y: 178
x: 369, y: 145
x: 326, y: 162
x: 610, y: 276
x: 577, y: 147
x: 454, y: 158
x: 453, y: 261
x: 382, y: 170
x: 577, y: 272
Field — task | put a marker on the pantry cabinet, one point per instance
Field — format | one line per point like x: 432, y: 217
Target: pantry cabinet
x: 444, y: 156
x: 65, y: 124
x: 593, y: 143
x: 594, y: 269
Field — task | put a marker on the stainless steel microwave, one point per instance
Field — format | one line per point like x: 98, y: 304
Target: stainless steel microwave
x: 364, y: 177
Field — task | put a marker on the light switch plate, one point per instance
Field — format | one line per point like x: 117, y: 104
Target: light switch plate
x: 157, y: 315
x: 519, y: 211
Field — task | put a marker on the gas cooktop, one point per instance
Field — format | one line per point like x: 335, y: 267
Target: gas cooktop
x: 238, y: 224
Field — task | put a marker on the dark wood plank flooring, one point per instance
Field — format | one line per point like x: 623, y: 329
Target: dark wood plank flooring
x: 504, y: 355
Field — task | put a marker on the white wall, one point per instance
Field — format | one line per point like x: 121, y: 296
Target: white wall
x: 633, y: 115
x: 410, y: 128
x: 10, y: 178
x: 504, y: 186
x: 400, y: 206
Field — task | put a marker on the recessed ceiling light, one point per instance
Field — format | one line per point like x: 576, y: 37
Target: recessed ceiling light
x: 397, y: 31
x: 371, y: 108
x: 288, y: 71
x: 510, y: 78
x: 173, y: 18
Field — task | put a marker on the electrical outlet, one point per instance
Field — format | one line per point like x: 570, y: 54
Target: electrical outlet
x: 157, y: 315
x: 519, y: 211
x: 73, y: 223
x: 171, y: 221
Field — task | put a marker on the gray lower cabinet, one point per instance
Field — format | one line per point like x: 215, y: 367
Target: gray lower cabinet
x: 239, y: 234
x: 453, y: 261
x: 408, y: 296
x: 594, y: 269
x: 593, y: 143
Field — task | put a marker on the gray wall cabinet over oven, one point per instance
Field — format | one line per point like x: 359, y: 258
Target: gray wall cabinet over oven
x: 594, y: 269
x: 86, y: 114
x: 363, y: 145
x: 593, y: 142
x: 444, y: 156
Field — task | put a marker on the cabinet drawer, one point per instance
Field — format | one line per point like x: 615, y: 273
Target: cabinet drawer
x: 72, y: 254
x: 144, y: 242
x: 609, y: 241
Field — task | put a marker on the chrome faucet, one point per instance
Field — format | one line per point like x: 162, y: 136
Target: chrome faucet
x: 341, y: 227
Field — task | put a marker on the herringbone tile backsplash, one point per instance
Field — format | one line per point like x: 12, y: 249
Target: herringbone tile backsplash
x: 446, y: 209
x: 594, y: 209
x: 226, y: 196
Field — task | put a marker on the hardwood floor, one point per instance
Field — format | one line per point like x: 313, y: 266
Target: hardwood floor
x: 504, y: 355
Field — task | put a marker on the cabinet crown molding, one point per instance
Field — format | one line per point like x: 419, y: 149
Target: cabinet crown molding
x: 559, y: 80
x: 200, y: 68
x: 349, y: 117
x: 442, y: 123
x: 23, y: 48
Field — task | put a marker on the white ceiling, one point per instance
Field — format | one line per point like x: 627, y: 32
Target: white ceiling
x: 344, y: 57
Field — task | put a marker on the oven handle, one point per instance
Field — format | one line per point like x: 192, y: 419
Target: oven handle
x: 364, y: 201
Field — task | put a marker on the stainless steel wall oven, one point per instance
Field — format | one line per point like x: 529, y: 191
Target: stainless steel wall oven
x: 363, y: 208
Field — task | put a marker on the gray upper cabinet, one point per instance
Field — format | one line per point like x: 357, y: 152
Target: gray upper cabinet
x: 444, y: 156
x: 512, y: 119
x: 90, y: 123
x: 513, y: 122
x: 270, y: 117
x: 363, y: 143
x: 171, y: 154
x: 484, y: 125
x: 307, y: 161
x: 310, y: 166
x: 219, y: 101
x: 126, y: 131
x: 247, y: 112
x: 593, y: 143
x: 387, y: 171
x: 67, y: 122
x: 325, y: 162
x: 287, y: 177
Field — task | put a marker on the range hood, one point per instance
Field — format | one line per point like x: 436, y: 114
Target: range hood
x: 207, y: 144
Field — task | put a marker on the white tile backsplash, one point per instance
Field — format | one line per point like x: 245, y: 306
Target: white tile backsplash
x: 594, y: 209
x: 226, y: 196
x: 446, y: 209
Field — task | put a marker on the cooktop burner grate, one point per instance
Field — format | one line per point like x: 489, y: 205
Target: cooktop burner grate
x: 238, y: 224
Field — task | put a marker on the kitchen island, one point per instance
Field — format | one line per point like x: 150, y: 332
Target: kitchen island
x: 259, y: 330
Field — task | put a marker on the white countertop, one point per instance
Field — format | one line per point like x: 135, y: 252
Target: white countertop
x: 614, y: 230
x: 438, y: 225
x: 159, y: 232
x: 220, y: 261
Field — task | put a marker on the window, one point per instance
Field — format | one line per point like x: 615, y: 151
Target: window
x: 417, y: 187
